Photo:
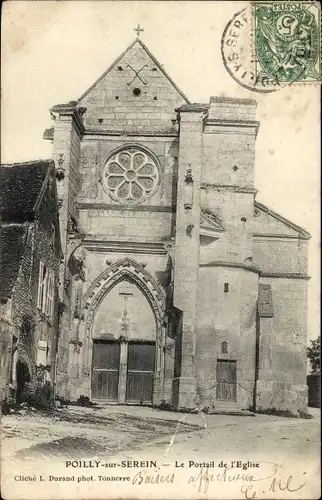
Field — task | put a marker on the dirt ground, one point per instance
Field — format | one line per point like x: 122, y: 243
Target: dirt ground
x: 81, y: 432
x: 116, y: 433
x: 86, y: 432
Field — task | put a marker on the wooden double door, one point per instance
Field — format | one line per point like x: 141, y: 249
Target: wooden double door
x: 123, y: 372
x: 226, y: 380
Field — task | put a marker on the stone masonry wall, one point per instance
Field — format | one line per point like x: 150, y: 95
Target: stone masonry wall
x: 122, y: 101
x: 39, y: 246
x: 23, y: 304
x: 229, y: 142
x: 187, y: 252
x: 234, y: 211
x: 67, y: 148
x: 288, y: 255
x: 226, y: 317
x: 228, y: 156
x: 282, y: 385
x: 95, y: 151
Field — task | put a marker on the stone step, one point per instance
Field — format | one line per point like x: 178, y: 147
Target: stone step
x: 227, y: 407
x: 228, y: 404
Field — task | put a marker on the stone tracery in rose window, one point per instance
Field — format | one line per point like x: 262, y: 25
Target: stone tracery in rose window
x: 131, y: 175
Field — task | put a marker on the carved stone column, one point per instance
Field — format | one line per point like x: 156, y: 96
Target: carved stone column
x: 122, y: 372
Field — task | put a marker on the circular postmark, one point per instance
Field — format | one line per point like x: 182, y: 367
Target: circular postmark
x: 237, y: 57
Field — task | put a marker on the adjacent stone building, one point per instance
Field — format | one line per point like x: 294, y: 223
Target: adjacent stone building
x: 178, y: 285
x: 29, y: 273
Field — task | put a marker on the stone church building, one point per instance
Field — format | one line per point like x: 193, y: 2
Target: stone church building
x: 178, y: 286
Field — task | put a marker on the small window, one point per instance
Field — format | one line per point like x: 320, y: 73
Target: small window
x: 136, y: 92
x: 46, y: 287
x: 50, y: 296
x: 42, y: 285
x: 226, y: 287
x: 224, y: 347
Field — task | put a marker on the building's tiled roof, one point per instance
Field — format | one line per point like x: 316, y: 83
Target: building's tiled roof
x: 12, y: 240
x: 20, y: 186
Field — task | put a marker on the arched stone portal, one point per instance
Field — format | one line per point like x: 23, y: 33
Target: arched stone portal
x: 123, y: 320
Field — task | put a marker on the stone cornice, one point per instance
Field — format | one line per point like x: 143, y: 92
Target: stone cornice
x: 232, y: 123
x: 108, y: 136
x: 281, y: 236
x: 237, y: 189
x: 299, y: 276
x: 254, y: 269
x: 216, y: 122
x: 71, y: 110
x: 136, y: 133
x: 134, y: 208
x: 104, y: 246
x: 234, y: 100
x: 192, y: 108
x: 238, y: 265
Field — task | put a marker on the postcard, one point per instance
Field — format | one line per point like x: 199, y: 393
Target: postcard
x: 159, y: 272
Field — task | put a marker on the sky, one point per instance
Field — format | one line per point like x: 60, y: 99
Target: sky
x: 52, y: 51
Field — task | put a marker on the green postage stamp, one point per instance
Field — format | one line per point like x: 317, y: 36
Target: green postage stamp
x: 286, y: 38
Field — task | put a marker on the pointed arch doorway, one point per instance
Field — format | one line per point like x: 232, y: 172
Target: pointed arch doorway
x: 124, y: 346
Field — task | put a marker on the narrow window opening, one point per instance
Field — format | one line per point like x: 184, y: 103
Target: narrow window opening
x: 224, y: 347
x: 226, y: 287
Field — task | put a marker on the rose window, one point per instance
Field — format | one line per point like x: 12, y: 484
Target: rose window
x: 131, y: 175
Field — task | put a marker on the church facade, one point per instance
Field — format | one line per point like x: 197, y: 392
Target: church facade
x: 178, y: 286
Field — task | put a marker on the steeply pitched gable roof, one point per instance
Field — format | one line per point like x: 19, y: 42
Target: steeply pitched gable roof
x: 156, y: 62
x: 12, y: 242
x: 134, y: 96
x: 279, y: 222
x: 21, y: 185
